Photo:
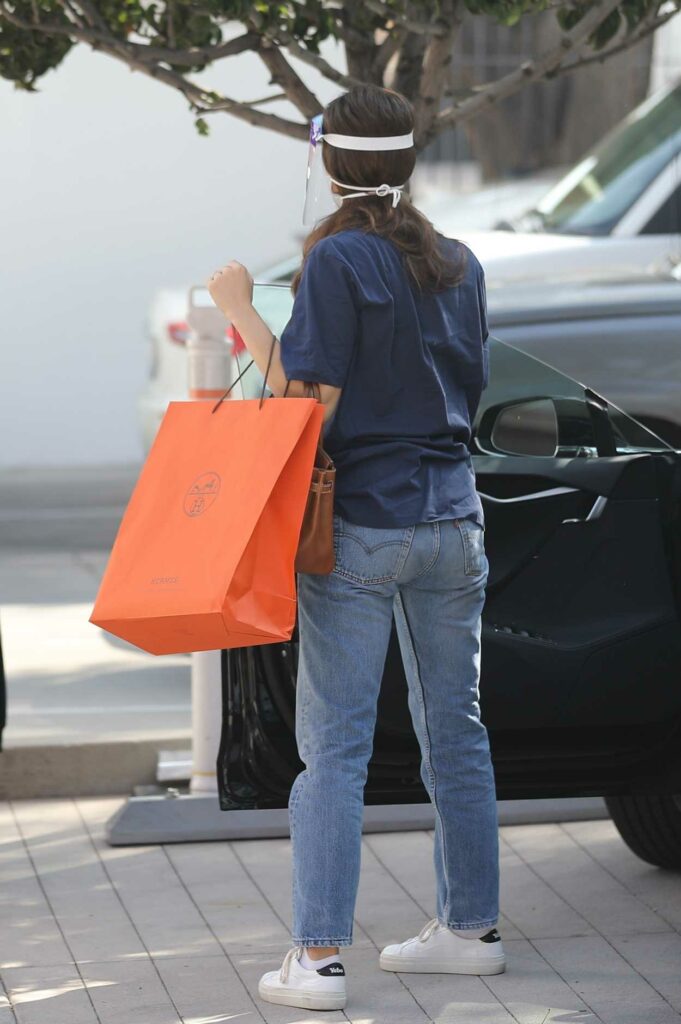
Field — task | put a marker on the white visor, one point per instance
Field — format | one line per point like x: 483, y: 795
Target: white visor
x: 319, y: 201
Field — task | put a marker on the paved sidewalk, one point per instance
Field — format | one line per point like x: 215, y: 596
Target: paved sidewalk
x: 162, y: 935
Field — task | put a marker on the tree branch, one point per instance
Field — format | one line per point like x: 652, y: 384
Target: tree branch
x: 142, y: 51
x: 424, y: 49
x: 280, y: 37
x: 201, y: 54
x: 197, y: 98
x: 201, y: 100
x: 528, y: 71
x: 403, y: 21
x: 266, y: 99
x: 649, y: 24
x: 386, y: 50
x: 316, y: 61
x: 70, y: 11
x: 286, y: 78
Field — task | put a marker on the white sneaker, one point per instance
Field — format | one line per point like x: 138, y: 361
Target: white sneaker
x: 295, y: 985
x: 437, y: 949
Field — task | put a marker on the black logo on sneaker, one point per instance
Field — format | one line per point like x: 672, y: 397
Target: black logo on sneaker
x: 336, y: 970
x: 492, y: 936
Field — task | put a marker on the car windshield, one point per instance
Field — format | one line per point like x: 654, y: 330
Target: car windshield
x: 595, y: 195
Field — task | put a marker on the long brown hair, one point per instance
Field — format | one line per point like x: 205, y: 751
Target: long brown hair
x: 371, y: 110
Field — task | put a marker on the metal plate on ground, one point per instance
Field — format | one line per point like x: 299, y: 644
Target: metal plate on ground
x: 189, y: 818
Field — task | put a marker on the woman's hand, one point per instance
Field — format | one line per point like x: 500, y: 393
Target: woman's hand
x: 231, y: 289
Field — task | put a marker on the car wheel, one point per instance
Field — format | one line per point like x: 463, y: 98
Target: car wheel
x: 650, y: 825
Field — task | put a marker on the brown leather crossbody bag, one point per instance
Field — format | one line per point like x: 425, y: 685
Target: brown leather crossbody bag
x: 316, y: 552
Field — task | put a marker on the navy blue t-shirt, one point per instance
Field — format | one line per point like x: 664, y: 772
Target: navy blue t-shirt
x: 411, y: 365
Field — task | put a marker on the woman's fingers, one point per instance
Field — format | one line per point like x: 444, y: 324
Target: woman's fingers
x: 231, y: 287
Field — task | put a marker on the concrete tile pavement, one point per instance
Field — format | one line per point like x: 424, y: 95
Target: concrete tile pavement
x: 181, y: 933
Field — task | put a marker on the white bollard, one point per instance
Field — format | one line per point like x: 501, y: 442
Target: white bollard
x: 209, y: 376
x: 208, y: 350
x: 206, y: 720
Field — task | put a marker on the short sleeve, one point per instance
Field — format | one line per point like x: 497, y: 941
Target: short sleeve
x: 318, y: 342
x: 484, y: 327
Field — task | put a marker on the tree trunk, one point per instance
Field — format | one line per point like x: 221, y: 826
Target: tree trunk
x: 360, y: 46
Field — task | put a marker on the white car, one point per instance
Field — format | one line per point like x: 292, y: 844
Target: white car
x: 167, y: 331
x: 616, y: 213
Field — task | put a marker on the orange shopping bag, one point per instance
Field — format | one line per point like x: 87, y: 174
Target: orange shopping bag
x: 204, y: 555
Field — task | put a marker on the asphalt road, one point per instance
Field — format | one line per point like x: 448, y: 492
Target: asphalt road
x: 63, y: 509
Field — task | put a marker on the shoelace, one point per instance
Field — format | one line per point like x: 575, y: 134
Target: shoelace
x: 428, y: 930
x: 293, y: 954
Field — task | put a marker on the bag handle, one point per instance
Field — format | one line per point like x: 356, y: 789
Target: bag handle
x: 311, y: 390
x: 222, y: 397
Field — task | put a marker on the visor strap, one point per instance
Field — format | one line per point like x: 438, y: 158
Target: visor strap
x: 379, y: 190
x: 369, y: 143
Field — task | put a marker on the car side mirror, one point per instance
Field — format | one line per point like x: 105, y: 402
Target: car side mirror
x: 547, y: 426
x: 527, y: 427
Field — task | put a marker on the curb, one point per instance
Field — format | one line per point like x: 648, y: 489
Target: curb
x: 82, y: 769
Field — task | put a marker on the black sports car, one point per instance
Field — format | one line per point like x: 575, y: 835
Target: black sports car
x: 581, y: 656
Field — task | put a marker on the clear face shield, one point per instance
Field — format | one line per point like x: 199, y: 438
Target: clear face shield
x: 320, y: 201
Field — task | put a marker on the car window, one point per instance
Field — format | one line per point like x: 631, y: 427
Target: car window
x: 515, y: 379
x: 667, y: 219
x: 273, y: 302
x: 529, y: 408
x: 595, y: 194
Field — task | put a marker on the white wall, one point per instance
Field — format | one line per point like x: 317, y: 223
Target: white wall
x: 106, y: 192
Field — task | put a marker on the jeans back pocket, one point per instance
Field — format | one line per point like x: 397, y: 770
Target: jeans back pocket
x: 473, y: 540
x: 370, y: 554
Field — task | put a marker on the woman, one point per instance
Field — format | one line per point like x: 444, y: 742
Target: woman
x: 389, y: 318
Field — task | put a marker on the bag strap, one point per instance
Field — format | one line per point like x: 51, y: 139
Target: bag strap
x: 311, y: 390
x: 233, y: 384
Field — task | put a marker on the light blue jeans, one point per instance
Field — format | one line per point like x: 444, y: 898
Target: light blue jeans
x: 432, y: 577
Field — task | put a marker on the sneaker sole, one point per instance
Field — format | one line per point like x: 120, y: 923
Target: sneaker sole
x: 304, y: 1000
x: 414, y: 965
